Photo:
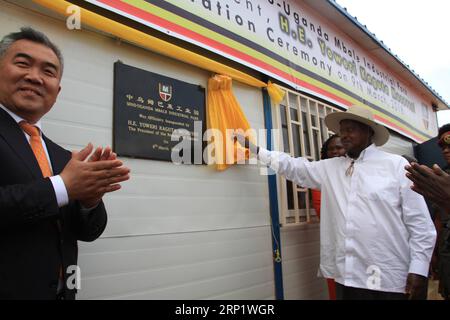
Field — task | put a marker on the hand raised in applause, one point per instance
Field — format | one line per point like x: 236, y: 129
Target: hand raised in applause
x: 432, y: 183
x: 87, y: 181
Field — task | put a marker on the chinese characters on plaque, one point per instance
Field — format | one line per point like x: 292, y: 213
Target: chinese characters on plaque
x: 149, y: 107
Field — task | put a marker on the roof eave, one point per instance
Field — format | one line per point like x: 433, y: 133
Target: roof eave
x: 357, y: 31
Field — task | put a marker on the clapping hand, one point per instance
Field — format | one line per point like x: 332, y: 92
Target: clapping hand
x: 87, y: 180
x: 433, y: 184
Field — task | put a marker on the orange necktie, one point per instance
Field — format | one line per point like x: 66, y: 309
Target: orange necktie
x: 41, y: 157
x: 37, y: 147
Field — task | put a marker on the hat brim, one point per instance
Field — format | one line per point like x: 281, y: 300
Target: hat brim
x: 333, y: 120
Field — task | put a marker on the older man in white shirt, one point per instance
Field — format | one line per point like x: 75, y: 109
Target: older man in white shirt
x: 376, y: 235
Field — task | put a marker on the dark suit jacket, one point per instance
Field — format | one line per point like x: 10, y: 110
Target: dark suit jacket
x: 32, y: 246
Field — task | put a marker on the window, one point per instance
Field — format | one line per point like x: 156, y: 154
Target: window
x: 303, y: 130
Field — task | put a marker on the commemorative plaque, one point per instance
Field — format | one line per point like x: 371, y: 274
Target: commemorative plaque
x: 150, y: 111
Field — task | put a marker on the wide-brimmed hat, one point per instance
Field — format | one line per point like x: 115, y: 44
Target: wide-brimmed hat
x: 360, y: 114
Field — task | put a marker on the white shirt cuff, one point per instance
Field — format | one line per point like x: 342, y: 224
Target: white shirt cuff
x: 62, y: 198
x: 264, y: 156
x: 419, y: 267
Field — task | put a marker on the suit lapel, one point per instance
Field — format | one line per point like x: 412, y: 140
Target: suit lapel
x: 16, y: 139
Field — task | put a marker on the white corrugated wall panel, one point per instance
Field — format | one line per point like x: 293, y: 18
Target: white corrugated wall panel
x: 301, y: 255
x: 199, y: 265
x: 182, y: 232
x: 399, y: 145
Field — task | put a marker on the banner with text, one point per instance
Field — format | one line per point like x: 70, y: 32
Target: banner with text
x: 289, y: 41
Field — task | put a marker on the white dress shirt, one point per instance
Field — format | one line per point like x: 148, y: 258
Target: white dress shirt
x: 374, y: 229
x: 58, y: 184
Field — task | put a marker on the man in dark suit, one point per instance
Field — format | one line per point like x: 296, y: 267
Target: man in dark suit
x: 49, y: 198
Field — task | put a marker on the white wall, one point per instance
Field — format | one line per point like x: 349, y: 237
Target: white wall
x: 181, y: 232
x: 398, y: 145
x: 301, y: 256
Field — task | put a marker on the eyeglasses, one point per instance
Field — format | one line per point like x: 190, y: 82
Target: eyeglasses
x: 444, y: 141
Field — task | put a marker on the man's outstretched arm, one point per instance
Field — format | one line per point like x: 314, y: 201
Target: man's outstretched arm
x: 299, y: 170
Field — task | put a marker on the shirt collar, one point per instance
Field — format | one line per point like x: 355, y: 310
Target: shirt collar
x: 19, y: 119
x: 366, y: 153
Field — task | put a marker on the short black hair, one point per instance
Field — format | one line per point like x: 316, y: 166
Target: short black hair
x: 323, y: 151
x: 445, y: 128
x: 28, y: 33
